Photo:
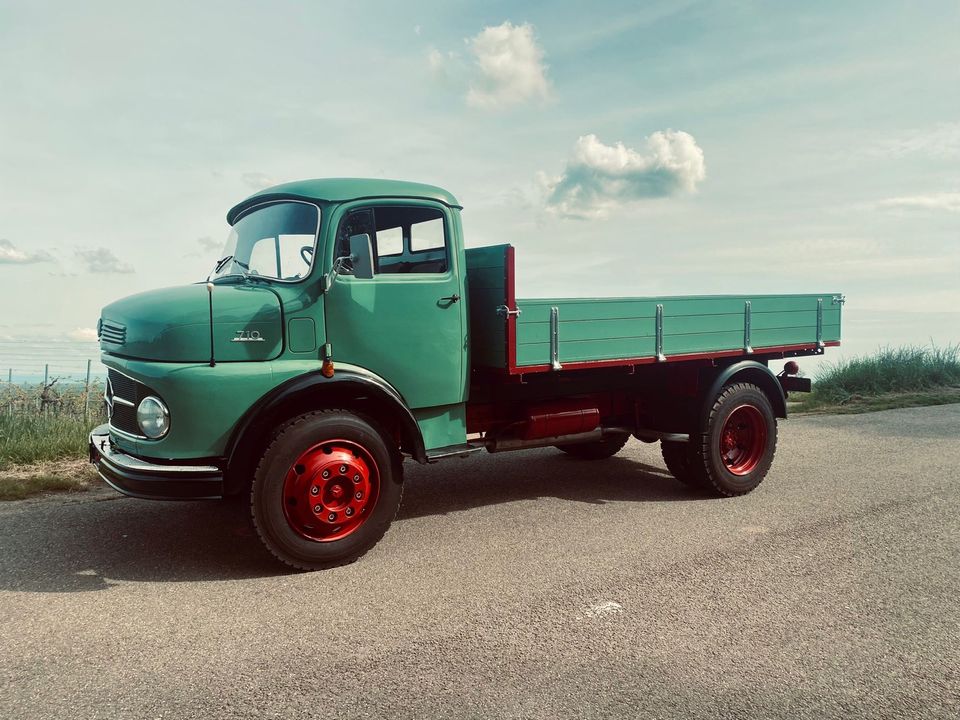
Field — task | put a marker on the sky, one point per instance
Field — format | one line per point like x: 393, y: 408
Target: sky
x: 624, y: 148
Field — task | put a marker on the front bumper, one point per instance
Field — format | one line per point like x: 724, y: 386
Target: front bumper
x: 143, y: 479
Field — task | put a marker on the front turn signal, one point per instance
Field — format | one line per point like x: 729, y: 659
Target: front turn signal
x: 327, y: 368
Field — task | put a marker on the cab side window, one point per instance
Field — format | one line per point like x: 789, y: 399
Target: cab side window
x: 404, y: 239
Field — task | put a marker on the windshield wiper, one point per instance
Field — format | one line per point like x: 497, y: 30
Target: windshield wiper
x: 222, y: 263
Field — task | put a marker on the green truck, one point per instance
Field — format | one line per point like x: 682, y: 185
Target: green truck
x: 346, y: 329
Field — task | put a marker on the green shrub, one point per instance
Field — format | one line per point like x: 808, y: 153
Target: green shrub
x: 889, y: 371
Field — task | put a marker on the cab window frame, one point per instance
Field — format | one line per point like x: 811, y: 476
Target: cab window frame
x: 346, y: 209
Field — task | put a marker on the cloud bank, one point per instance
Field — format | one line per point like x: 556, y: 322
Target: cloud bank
x: 10, y: 254
x: 599, y: 178
x: 102, y: 260
x: 506, y: 67
x: 944, y: 202
x: 208, y: 243
x: 83, y: 334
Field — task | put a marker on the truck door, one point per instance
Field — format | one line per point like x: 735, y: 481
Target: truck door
x: 407, y: 323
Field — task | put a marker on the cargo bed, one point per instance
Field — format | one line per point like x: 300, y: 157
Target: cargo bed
x: 519, y: 336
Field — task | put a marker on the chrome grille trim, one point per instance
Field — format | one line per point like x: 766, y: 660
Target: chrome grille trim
x: 122, y: 394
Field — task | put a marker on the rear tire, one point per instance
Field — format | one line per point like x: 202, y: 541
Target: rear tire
x: 737, y: 447
x: 326, y: 489
x: 597, y: 450
x: 684, y: 462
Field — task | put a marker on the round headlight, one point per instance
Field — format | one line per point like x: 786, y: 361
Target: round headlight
x: 153, y: 417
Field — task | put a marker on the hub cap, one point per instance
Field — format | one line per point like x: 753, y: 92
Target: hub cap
x: 330, y: 490
x: 743, y: 440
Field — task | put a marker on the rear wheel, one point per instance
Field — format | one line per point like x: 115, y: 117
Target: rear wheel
x: 684, y: 462
x: 597, y: 450
x: 737, y: 447
x: 326, y: 489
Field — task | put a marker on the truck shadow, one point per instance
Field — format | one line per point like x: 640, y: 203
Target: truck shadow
x: 456, y: 485
x: 97, y: 541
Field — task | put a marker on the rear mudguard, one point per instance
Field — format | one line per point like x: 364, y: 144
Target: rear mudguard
x: 747, y: 371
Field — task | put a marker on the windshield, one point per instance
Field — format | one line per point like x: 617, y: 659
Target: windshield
x: 274, y: 241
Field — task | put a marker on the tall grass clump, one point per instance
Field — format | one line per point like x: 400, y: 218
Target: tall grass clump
x: 888, y: 372
x: 40, y: 423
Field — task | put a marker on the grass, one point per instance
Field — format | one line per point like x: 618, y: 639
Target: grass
x: 890, y: 378
x: 29, y: 439
x: 43, y: 438
x: 18, y: 483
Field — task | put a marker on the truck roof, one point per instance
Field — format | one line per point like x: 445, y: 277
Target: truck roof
x: 343, y: 189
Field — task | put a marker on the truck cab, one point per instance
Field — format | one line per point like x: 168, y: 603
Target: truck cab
x: 345, y: 328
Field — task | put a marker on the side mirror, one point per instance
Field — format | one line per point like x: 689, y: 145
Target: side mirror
x: 361, y: 256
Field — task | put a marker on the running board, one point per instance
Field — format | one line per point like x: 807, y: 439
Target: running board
x: 450, y: 451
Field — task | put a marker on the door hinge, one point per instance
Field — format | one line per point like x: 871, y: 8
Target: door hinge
x: 504, y: 311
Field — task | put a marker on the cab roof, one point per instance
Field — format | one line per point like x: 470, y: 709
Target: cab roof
x: 344, y: 189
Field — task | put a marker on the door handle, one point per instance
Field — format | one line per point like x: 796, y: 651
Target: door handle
x: 451, y: 299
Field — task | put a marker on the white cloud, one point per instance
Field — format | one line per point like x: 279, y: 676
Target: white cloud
x: 258, y: 180
x: 10, y: 254
x: 945, y: 202
x: 940, y: 140
x: 102, y: 260
x: 600, y: 177
x: 208, y: 243
x: 505, y: 67
x: 83, y: 334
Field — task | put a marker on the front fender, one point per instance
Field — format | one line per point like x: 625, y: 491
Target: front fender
x: 351, y: 387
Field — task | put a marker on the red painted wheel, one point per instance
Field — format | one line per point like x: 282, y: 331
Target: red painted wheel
x: 735, y: 449
x: 743, y: 440
x: 326, y: 489
x: 330, y: 490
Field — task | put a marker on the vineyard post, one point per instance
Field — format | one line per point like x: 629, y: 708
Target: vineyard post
x: 86, y: 395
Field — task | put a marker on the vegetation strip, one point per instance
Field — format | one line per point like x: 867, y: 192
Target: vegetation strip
x: 890, y: 378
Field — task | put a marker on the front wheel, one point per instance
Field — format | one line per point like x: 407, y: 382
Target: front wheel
x: 326, y: 490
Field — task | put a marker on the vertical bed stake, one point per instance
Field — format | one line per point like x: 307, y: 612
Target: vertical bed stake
x: 555, y: 338
x: 746, y: 328
x: 820, y: 322
x: 660, y: 356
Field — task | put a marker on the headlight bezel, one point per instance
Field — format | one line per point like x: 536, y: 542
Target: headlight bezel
x: 149, y: 426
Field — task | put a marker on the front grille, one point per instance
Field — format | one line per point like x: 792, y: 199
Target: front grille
x: 113, y: 333
x: 124, y: 418
x: 123, y: 394
x: 123, y: 386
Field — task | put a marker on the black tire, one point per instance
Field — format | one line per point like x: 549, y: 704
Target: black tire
x: 684, y: 462
x: 736, y: 466
x: 598, y: 450
x: 271, y: 496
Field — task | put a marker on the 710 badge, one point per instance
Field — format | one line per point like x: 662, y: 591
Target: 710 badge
x: 248, y: 336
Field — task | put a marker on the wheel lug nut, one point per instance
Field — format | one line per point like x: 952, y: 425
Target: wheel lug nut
x: 343, y: 469
x: 359, y: 495
x: 356, y: 478
x: 317, y: 509
x: 349, y: 512
x: 325, y: 473
x: 314, y: 490
x: 331, y: 517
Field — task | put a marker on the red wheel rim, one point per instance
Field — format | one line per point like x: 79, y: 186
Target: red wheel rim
x: 743, y: 440
x: 330, y: 490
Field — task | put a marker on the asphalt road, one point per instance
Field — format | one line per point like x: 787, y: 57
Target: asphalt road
x: 519, y: 585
